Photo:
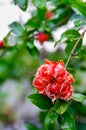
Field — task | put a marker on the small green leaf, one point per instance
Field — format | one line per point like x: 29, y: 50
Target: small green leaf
x: 30, y: 44
x: 17, y: 28
x: 66, y: 122
x: 71, y: 38
x: 50, y: 118
x: 57, y: 42
x: 39, y: 3
x: 33, y: 23
x: 41, y: 13
x: 23, y: 4
x: 15, y: 2
x: 60, y: 106
x: 71, y: 34
x: 41, y: 101
x: 30, y: 126
x: 33, y: 51
x: 78, y: 97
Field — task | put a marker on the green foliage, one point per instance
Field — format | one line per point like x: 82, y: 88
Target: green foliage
x: 78, y: 97
x: 71, y: 37
x: 66, y: 122
x: 60, y: 106
x: 20, y: 58
x: 22, y: 4
x: 39, y: 3
x: 50, y: 118
x: 77, y: 4
x: 30, y: 126
x: 17, y: 28
x: 41, y: 101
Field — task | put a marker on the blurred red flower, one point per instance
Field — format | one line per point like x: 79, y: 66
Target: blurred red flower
x: 48, y: 15
x: 1, y: 44
x: 42, y: 37
x: 54, y: 81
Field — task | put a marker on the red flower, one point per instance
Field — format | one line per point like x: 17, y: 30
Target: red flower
x: 54, y: 81
x: 42, y: 37
x: 48, y: 15
x: 1, y: 44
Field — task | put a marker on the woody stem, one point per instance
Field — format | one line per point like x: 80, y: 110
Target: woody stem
x: 72, y: 51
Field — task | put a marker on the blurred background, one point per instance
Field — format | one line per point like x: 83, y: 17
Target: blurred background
x: 19, y: 60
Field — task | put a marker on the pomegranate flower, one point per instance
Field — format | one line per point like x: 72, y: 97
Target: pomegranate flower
x: 49, y: 15
x: 42, y: 37
x: 54, y: 81
x: 1, y: 44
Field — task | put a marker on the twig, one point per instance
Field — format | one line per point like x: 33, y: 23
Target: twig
x: 2, y: 54
x: 72, y: 51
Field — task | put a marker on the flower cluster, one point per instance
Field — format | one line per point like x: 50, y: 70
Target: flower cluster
x: 54, y: 81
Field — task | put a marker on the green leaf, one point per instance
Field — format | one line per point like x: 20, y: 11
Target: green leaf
x: 41, y: 101
x: 39, y: 3
x: 41, y: 13
x: 30, y: 44
x: 17, y: 28
x: 77, y: 4
x: 66, y: 122
x: 60, y: 106
x: 33, y: 50
x: 30, y: 126
x: 23, y: 4
x: 72, y: 36
x: 50, y: 118
x: 57, y: 42
x: 70, y: 45
x: 15, y: 2
x: 80, y: 22
x: 33, y: 23
x: 78, y: 97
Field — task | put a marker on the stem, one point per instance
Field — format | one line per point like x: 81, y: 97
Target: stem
x: 3, y: 53
x: 72, y: 51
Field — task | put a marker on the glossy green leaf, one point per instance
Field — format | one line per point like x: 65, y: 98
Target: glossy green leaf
x: 77, y: 4
x: 78, y: 97
x: 71, y: 34
x: 39, y: 3
x: 41, y: 13
x: 30, y: 126
x: 17, y: 28
x: 23, y: 4
x: 33, y: 23
x: 60, y: 106
x: 66, y: 122
x: 50, y: 118
x: 41, y: 101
